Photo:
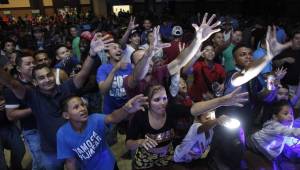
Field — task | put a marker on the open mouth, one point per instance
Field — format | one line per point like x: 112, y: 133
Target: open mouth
x: 83, y: 114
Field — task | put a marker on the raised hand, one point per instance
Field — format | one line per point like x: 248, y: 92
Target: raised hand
x: 206, y: 29
x: 156, y: 43
x: 181, y: 46
x: 132, y: 25
x: 272, y: 44
x: 136, y: 103
x: 100, y: 43
x: 235, y: 98
x: 280, y: 73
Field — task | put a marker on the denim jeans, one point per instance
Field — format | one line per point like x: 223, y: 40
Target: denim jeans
x: 32, y: 140
x: 10, y: 139
x: 50, y: 162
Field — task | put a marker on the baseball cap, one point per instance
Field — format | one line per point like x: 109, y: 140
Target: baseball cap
x: 177, y: 31
x: 133, y: 32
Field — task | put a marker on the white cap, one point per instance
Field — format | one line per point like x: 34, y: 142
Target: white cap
x: 177, y: 31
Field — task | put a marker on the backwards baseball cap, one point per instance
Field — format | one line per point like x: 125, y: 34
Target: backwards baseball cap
x: 133, y: 32
x: 177, y: 31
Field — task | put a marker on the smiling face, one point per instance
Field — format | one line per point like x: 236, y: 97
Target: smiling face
x: 76, y: 110
x: 209, y: 53
x: 135, y: 39
x: 159, y: 100
x: 44, y: 78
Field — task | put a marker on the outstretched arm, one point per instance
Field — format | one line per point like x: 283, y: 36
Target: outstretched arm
x: 7, y: 80
x: 142, y: 67
x: 203, y: 32
x: 233, y: 99
x: 273, y: 49
x: 98, y: 43
x: 133, y: 105
x: 130, y: 27
x: 105, y: 85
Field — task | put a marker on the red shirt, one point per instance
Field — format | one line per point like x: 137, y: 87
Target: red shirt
x: 160, y: 75
x: 202, y: 83
x: 171, y: 52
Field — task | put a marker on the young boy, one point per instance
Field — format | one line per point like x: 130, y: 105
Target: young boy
x: 83, y: 137
x: 271, y: 139
x: 70, y: 64
x: 196, y: 143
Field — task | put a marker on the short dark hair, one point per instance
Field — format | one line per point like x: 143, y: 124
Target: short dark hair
x: 39, y: 52
x: 59, y: 46
x: 6, y: 41
x: 21, y: 55
x: 39, y: 67
x: 64, y: 104
x: 277, y: 106
x: 238, y: 47
x: 295, y: 31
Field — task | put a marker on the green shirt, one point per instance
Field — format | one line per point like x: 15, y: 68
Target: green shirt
x: 75, y: 47
x: 227, y: 56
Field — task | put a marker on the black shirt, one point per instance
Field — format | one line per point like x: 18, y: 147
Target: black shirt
x: 293, y: 70
x: 140, y: 126
x: 48, y: 113
x: 12, y: 102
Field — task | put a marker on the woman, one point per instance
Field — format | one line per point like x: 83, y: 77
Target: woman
x: 208, y: 76
x: 151, y: 132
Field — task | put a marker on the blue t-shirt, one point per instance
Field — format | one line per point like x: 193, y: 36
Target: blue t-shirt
x: 89, y: 147
x: 116, y: 97
x: 257, y: 54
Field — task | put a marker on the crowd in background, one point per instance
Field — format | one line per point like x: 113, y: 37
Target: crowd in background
x: 70, y: 83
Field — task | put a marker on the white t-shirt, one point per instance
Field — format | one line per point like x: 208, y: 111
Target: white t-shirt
x: 193, y: 146
x: 127, y: 53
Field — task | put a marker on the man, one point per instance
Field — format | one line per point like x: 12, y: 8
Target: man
x: 228, y: 60
x: 172, y: 52
x: 45, y: 100
x: 133, y: 37
x: 245, y: 76
x: 10, y: 139
x: 40, y: 41
x: 290, y: 59
x: 147, y: 24
x: 8, y: 47
x: 18, y: 110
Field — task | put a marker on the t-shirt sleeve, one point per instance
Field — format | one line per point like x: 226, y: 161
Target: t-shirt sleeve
x: 63, y: 149
x: 101, y: 74
x: 178, y: 110
x: 69, y: 87
x: 161, y: 73
x: 11, y: 101
x: 100, y: 120
x: 133, y: 132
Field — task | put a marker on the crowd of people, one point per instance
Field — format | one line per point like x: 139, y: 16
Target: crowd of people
x: 70, y: 84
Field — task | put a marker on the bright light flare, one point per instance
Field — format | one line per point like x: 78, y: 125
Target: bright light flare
x: 232, y: 124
